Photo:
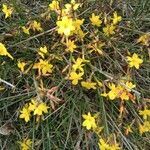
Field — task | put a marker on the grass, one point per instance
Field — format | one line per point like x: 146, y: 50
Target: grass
x: 61, y: 129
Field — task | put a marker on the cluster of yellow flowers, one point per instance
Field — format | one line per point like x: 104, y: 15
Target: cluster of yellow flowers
x: 120, y: 91
x: 70, y: 29
x: 145, y: 126
x: 44, y: 66
x: 91, y: 124
x: 110, y: 23
x: 66, y: 23
x: 33, y: 25
x: 38, y: 108
x: 77, y: 71
x: 110, y: 27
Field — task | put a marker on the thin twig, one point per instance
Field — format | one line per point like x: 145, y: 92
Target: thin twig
x: 33, y: 37
x: 11, y: 85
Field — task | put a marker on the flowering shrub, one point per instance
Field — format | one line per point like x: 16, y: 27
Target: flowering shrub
x: 74, y: 72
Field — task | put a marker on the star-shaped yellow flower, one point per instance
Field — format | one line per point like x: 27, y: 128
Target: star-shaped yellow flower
x: 103, y: 145
x: 109, y: 30
x: 54, y: 5
x: 145, y: 113
x: 134, y: 61
x: 95, y: 20
x: 21, y: 65
x: 26, y: 30
x: 33, y: 105
x: 7, y: 11
x: 113, y: 93
x: 145, y: 127
x: 144, y: 39
x: 70, y: 46
x: 40, y: 109
x: 25, y: 144
x: 77, y: 24
x: 65, y: 26
x: 89, y: 122
x: 129, y: 85
x: 116, y: 18
x: 75, y: 77
x: 25, y: 113
x: 78, y: 65
x: 42, y: 51
x: 36, y: 26
x: 43, y: 67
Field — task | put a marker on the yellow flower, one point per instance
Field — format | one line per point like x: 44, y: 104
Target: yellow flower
x: 88, y: 85
x: 36, y: 26
x: 7, y: 11
x: 25, y: 113
x: 78, y: 64
x: 119, y: 91
x: 42, y: 51
x: 68, y: 8
x: 33, y: 105
x: 75, y: 5
x: 113, y: 93
x: 3, y: 51
x: 26, y: 30
x: 64, y: 12
x: 123, y: 95
x: 144, y: 39
x: 65, y: 26
x: 89, y: 121
x: 145, y: 127
x: 134, y: 61
x: 78, y: 31
x: 25, y: 144
x: 40, y: 109
x: 21, y: 65
x: 116, y: 18
x: 75, y: 77
x: 54, y: 5
x: 77, y: 24
x: 43, y: 66
x: 130, y: 85
x: 103, y: 145
x: 70, y: 46
x: 95, y: 20
x: 145, y: 113
x: 109, y: 30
